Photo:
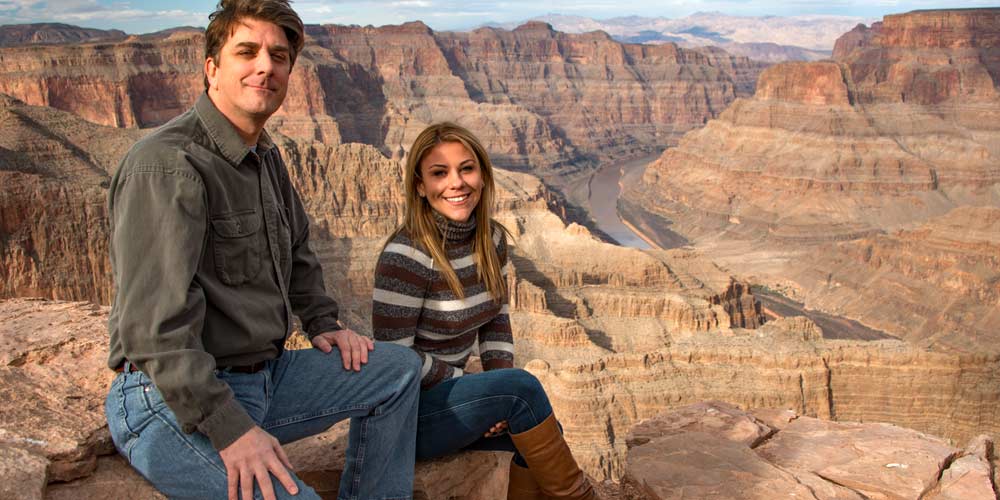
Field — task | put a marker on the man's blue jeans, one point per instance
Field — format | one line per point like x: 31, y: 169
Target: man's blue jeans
x: 300, y: 394
x: 456, y: 413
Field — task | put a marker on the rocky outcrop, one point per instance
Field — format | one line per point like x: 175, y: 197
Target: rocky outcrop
x: 775, y: 367
x: 702, y: 450
x: 55, y: 356
x: 969, y: 475
x: 54, y: 442
x: 940, y: 28
x: 858, y: 37
x: 24, y: 474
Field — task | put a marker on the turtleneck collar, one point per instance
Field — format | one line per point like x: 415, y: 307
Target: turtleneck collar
x: 455, y: 231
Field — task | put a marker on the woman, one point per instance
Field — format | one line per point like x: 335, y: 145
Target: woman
x: 440, y: 287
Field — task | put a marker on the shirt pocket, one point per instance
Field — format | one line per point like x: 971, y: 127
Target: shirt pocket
x: 236, y: 240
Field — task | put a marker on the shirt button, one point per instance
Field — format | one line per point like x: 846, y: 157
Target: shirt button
x: 146, y: 389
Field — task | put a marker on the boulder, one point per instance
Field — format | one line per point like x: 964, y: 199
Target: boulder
x: 876, y: 460
x: 969, y: 476
x: 711, y: 417
x: 701, y: 465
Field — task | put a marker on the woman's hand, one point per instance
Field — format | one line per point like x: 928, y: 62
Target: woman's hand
x: 497, y: 430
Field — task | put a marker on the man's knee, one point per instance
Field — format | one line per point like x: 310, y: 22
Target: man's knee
x: 403, y: 359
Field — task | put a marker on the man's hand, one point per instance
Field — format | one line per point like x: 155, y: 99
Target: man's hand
x: 497, y: 429
x: 251, y: 457
x: 353, y: 347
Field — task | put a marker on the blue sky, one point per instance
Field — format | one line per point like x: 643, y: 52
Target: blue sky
x: 142, y: 16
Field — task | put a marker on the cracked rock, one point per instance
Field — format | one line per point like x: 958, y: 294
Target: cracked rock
x: 876, y: 460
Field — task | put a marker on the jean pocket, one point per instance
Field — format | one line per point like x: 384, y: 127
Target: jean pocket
x: 152, y: 399
x: 124, y: 418
x: 237, y: 246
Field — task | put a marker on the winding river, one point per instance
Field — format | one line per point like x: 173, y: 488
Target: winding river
x: 602, y: 191
x: 604, y: 188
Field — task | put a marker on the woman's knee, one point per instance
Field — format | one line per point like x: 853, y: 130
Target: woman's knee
x: 527, y: 387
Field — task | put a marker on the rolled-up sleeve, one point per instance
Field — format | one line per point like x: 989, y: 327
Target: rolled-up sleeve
x: 159, y: 222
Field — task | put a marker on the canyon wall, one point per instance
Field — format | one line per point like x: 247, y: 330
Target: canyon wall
x: 538, y: 98
x: 847, y: 157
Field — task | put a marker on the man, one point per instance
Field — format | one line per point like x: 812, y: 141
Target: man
x: 210, y: 254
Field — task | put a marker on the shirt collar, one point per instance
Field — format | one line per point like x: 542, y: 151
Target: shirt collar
x: 222, y: 132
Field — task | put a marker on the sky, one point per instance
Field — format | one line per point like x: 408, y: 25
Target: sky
x: 143, y: 16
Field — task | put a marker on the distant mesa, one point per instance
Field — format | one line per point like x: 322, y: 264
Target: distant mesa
x: 54, y: 33
x: 768, y: 39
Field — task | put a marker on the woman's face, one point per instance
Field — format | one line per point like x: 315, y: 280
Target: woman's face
x: 451, y: 180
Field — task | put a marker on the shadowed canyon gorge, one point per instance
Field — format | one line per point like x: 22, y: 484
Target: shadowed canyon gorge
x: 867, y: 186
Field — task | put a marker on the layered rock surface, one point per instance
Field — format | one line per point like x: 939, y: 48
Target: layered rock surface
x: 898, y: 131
x: 700, y: 451
x: 55, y: 444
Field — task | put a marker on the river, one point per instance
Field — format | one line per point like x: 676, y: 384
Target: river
x: 599, y: 194
x: 603, y: 190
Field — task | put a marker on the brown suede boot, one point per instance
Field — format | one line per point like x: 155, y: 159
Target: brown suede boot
x: 522, y: 485
x: 551, y: 463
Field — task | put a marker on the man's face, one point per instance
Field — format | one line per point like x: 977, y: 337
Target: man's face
x: 250, y: 77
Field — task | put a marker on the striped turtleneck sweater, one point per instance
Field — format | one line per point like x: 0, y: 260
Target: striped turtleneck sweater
x: 414, y: 306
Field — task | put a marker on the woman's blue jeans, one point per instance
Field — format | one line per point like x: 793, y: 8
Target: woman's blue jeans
x: 456, y: 413
x: 300, y: 394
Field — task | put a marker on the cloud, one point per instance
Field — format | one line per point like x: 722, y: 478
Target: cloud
x: 422, y: 4
x: 94, y: 13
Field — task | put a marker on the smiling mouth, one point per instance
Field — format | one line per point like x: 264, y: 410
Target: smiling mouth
x: 457, y: 199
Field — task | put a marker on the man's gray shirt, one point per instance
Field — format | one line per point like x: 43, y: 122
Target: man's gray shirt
x: 210, y: 255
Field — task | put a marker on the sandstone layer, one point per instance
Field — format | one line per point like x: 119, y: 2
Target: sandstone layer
x: 691, y: 452
x: 868, y: 153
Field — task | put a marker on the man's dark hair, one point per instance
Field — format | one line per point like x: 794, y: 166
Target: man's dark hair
x: 229, y: 13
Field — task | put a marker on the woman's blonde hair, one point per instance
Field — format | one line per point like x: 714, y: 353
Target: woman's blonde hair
x: 419, y: 220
